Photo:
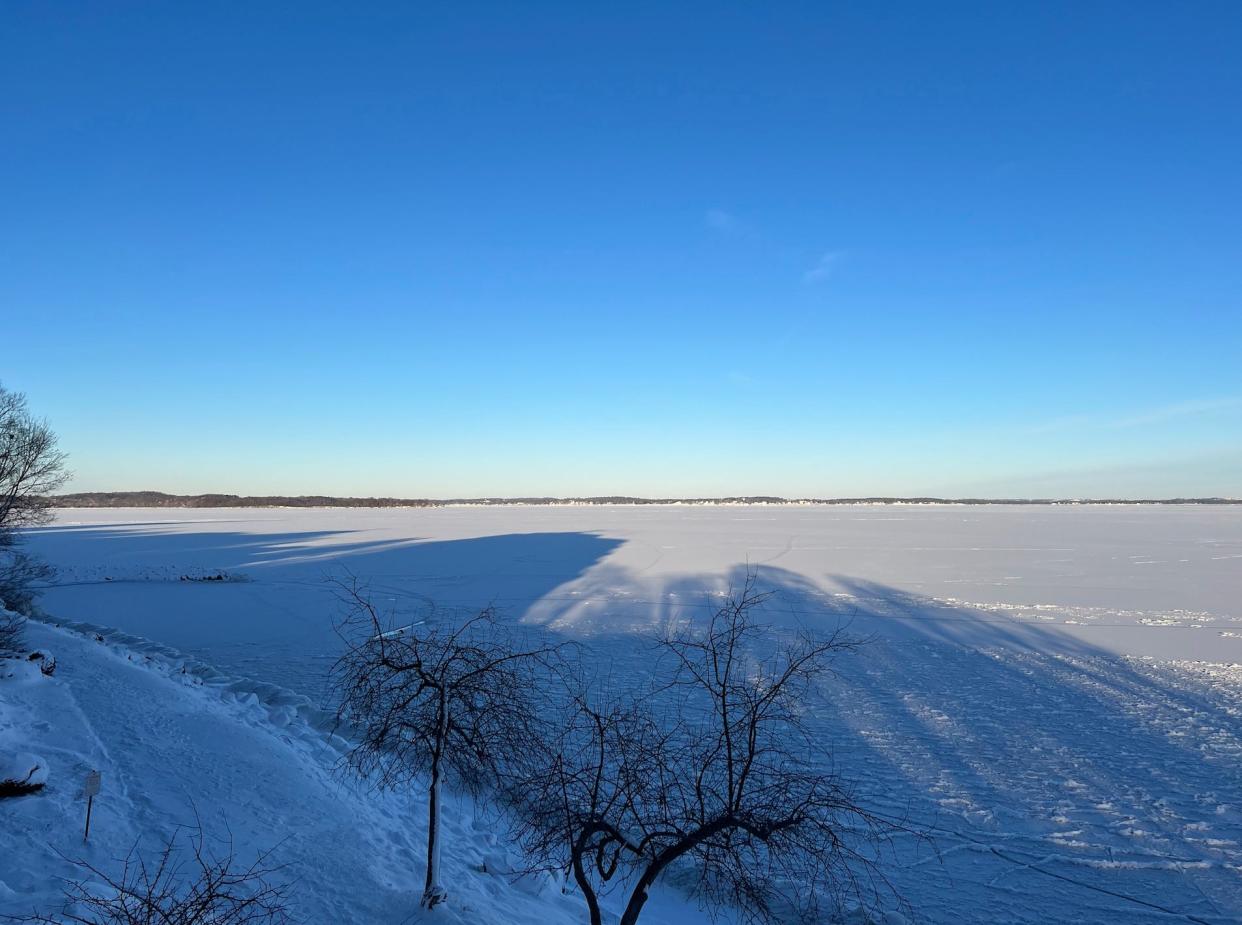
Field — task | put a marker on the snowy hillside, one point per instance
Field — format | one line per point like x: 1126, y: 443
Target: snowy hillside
x: 177, y: 746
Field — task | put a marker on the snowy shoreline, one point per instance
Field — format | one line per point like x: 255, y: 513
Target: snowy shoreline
x: 120, y: 501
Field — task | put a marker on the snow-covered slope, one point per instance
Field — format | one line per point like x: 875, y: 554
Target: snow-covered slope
x: 178, y: 746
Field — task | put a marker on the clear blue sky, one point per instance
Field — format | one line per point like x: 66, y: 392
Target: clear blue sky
x: 469, y: 249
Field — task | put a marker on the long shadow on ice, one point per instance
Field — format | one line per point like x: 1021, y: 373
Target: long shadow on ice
x: 276, y: 625
x: 1063, y: 782
x: 141, y: 551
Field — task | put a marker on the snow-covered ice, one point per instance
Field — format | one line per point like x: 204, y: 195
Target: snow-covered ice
x: 1054, y: 692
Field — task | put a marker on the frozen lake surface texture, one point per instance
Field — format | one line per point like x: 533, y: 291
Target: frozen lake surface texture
x: 1054, y: 692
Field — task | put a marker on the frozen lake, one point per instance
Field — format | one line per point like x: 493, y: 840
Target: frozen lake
x: 1055, y: 691
x: 1154, y: 581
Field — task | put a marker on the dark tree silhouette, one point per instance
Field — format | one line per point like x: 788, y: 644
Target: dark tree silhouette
x: 713, y: 772
x: 188, y: 883
x: 444, y: 699
x: 31, y: 468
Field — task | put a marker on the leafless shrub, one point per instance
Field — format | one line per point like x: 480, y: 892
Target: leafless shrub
x: 20, y: 576
x: 713, y: 773
x: 11, y: 626
x: 435, y: 701
x: 187, y: 884
x: 31, y: 468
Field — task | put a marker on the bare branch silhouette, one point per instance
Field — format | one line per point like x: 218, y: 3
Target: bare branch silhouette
x: 712, y: 773
x: 445, y: 699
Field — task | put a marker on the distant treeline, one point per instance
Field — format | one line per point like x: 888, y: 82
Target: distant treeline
x: 162, y: 499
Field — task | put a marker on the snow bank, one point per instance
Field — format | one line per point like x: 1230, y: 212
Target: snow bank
x: 19, y: 671
x: 261, y: 701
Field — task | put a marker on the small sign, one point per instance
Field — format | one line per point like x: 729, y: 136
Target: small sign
x: 91, y: 788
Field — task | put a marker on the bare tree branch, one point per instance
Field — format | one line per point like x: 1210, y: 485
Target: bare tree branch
x: 712, y: 772
x: 31, y: 468
x: 446, y: 700
x: 187, y: 883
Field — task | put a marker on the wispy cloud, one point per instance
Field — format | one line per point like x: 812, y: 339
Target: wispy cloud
x: 730, y: 225
x: 1065, y: 422
x: 1183, y: 409
x: 1207, y: 474
x: 1141, y: 418
x: 823, y: 268
x: 723, y: 222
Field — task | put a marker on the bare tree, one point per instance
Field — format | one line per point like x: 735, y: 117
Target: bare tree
x: 570, y: 799
x: 11, y: 624
x: 714, y: 773
x: 20, y: 573
x: 198, y: 887
x: 31, y: 468
x: 448, y: 700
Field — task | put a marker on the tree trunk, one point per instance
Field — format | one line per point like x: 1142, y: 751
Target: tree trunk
x: 434, y: 892
x: 638, y: 898
x: 588, y: 891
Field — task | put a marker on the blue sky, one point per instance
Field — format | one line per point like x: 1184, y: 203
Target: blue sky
x: 661, y: 249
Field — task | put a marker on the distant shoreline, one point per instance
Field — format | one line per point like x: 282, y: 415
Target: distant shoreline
x: 149, y: 499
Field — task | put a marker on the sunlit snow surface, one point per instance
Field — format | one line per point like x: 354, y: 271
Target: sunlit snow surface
x: 1055, y: 692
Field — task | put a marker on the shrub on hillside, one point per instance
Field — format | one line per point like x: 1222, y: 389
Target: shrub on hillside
x: 11, y: 626
x: 187, y: 883
x: 31, y: 468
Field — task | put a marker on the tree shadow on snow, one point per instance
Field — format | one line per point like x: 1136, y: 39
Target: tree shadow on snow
x: 1048, y: 768
x: 279, y: 626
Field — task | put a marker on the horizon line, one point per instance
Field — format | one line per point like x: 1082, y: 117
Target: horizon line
x: 134, y: 499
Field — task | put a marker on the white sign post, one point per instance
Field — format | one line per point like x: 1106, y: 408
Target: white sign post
x: 92, y: 788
